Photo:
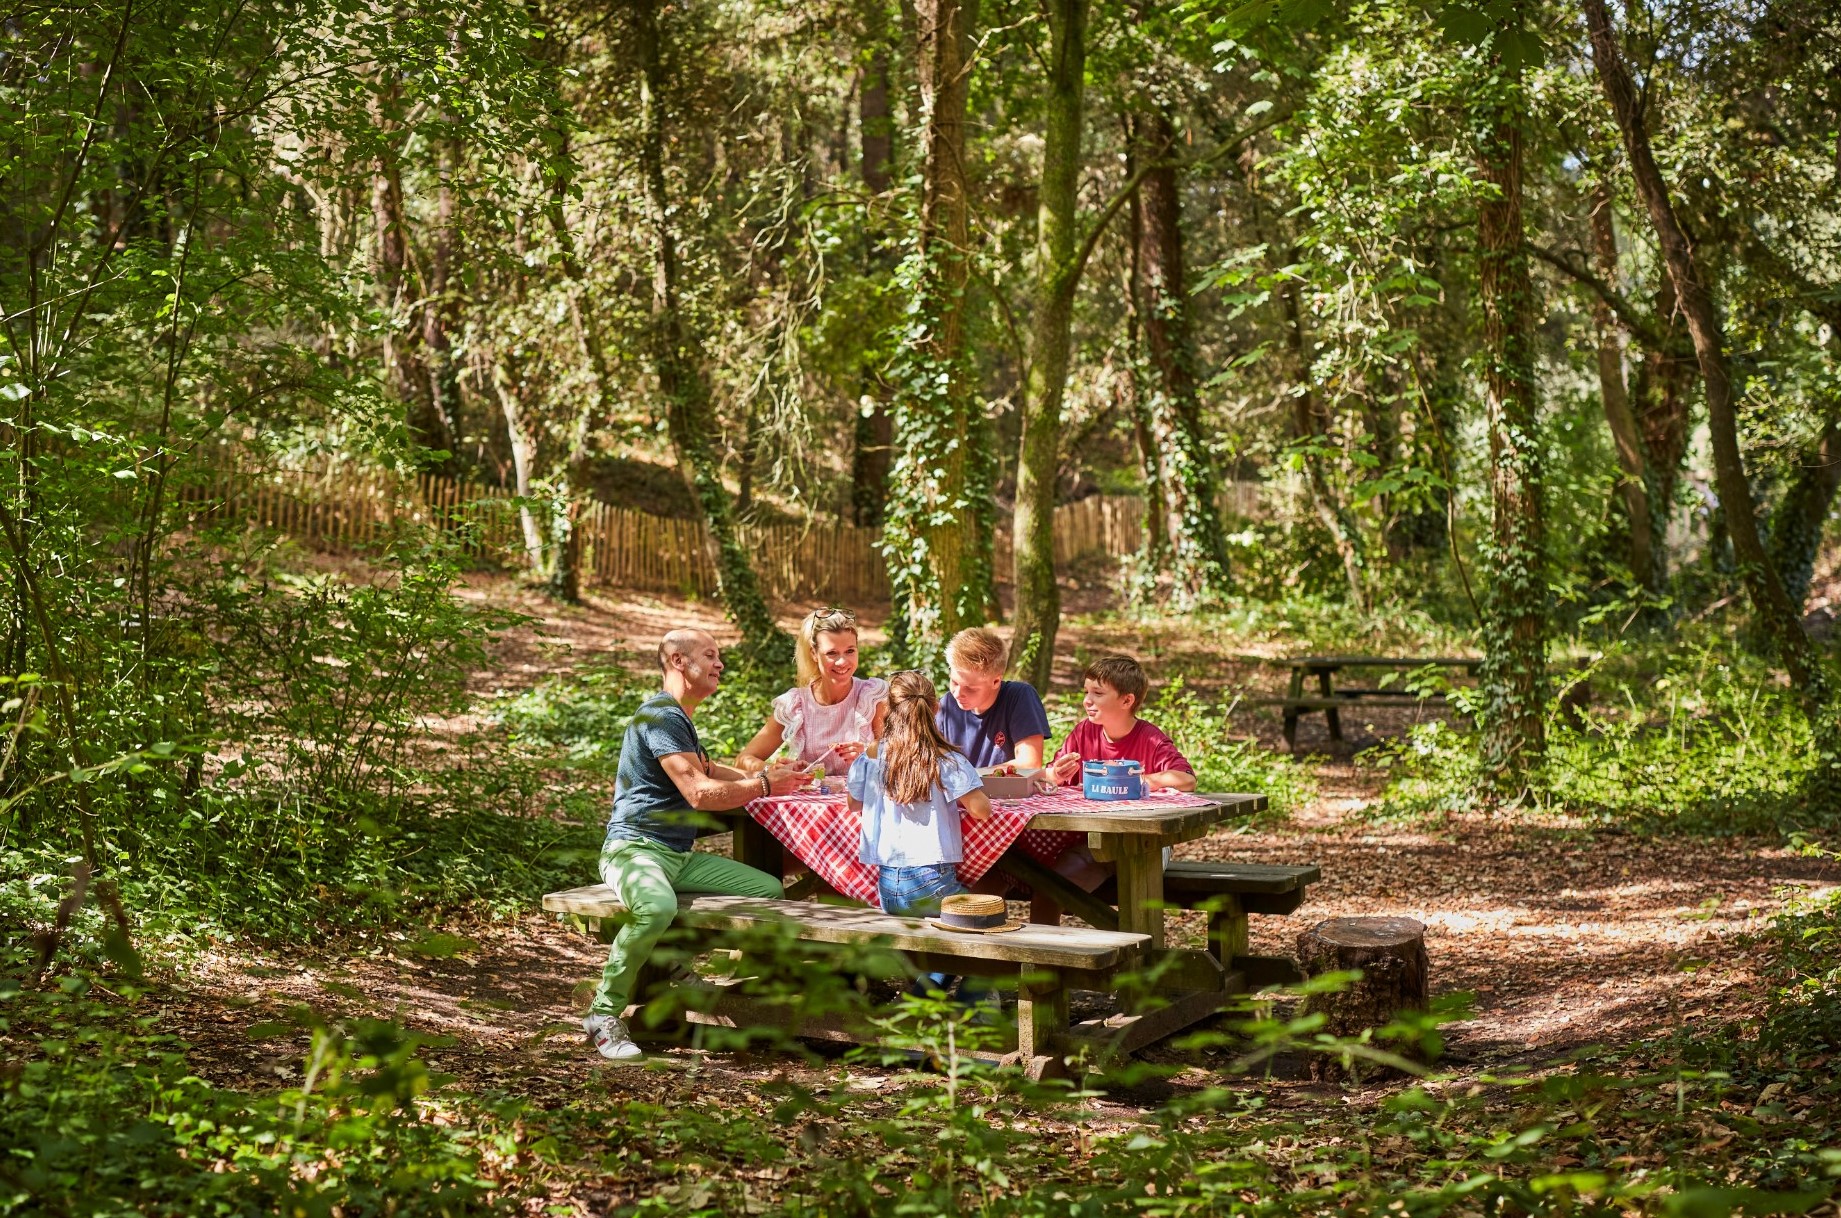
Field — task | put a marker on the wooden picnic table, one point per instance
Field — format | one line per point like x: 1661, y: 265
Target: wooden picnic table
x: 1331, y: 700
x: 1125, y: 936
x: 1193, y: 983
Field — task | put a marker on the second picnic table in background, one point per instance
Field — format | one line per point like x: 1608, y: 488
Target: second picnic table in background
x: 1331, y: 700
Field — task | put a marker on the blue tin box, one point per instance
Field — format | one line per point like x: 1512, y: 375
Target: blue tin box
x: 1105, y: 780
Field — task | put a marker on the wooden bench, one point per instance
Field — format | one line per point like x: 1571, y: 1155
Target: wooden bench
x: 1046, y: 961
x: 1229, y: 893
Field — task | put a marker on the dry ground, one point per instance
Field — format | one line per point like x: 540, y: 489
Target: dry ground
x: 1564, y: 939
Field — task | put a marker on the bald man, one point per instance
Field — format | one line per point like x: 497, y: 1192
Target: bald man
x: 665, y: 779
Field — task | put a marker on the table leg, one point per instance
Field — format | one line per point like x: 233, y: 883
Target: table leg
x: 1140, y: 864
x: 1330, y: 713
x: 1041, y: 1014
x: 755, y: 846
x: 1295, y: 692
x: 1058, y: 888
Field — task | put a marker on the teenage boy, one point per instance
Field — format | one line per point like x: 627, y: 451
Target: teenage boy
x: 664, y: 779
x: 1115, y: 691
x: 992, y: 721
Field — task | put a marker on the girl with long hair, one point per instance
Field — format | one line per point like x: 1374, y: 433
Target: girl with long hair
x: 909, y: 788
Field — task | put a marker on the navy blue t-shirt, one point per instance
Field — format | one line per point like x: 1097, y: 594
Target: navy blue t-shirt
x: 990, y: 738
x: 647, y: 805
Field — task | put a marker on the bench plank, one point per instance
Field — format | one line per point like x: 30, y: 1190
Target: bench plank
x: 1313, y: 663
x: 1050, y: 946
x: 1338, y: 702
x: 1199, y: 875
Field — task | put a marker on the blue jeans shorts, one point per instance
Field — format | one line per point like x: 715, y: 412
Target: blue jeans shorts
x: 915, y: 892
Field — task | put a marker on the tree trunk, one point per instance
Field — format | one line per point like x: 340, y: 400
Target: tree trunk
x: 1156, y: 553
x: 683, y: 385
x: 1038, y: 596
x: 1306, y: 426
x: 1514, y: 673
x: 1626, y: 436
x: 1424, y: 525
x: 1662, y: 390
x: 505, y: 382
x: 1391, y: 957
x: 1197, y: 548
x: 1780, y: 619
x: 876, y: 126
x: 565, y: 581
x: 438, y: 309
x: 927, y: 513
x: 1801, y: 516
x: 404, y: 370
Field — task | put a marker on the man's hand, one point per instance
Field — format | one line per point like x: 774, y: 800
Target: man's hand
x: 784, y: 779
x: 1066, y: 768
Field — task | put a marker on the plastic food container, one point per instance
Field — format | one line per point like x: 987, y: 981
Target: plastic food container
x: 1008, y: 786
x: 1107, y: 780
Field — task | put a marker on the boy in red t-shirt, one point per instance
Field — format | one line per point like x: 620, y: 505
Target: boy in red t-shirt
x: 1112, y: 731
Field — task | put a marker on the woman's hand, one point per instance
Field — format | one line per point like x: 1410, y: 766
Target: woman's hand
x: 1066, y: 768
x: 848, y: 751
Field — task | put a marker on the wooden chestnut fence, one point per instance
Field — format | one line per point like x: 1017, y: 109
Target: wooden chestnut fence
x: 340, y: 507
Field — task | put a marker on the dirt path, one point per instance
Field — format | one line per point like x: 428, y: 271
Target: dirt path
x: 1564, y: 939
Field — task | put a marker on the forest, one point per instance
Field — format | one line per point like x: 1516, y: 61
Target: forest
x: 381, y: 383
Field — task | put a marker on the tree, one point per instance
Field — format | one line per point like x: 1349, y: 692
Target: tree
x: 683, y: 384
x: 1779, y: 618
x: 1059, y: 262
x: 873, y: 431
x: 927, y: 533
x: 1515, y: 602
x: 1614, y: 394
x: 1186, y: 481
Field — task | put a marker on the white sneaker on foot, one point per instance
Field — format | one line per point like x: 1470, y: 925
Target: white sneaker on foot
x: 608, y: 1035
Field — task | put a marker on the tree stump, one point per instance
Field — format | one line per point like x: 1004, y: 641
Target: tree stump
x: 1390, y: 952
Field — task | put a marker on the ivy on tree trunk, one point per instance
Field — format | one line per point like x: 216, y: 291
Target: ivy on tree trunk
x: 689, y: 413
x: 1515, y: 598
x: 928, y: 514
x: 1187, y: 482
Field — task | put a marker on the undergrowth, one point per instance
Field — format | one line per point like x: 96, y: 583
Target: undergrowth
x: 102, y: 1117
x: 1695, y: 739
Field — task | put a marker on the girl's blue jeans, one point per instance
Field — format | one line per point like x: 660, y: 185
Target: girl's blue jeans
x: 916, y: 892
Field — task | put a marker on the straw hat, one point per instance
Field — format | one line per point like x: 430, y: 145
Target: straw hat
x: 975, y: 914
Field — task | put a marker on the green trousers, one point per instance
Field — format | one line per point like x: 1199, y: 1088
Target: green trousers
x: 648, y: 878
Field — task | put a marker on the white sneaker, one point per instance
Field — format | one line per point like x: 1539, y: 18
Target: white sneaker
x: 608, y: 1035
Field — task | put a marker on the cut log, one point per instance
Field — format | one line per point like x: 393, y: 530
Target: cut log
x: 1391, y: 955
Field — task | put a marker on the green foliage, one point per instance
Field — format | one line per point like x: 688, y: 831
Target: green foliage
x: 1802, y: 1031
x: 581, y: 719
x: 103, y: 1117
x: 305, y: 796
x: 1697, y: 739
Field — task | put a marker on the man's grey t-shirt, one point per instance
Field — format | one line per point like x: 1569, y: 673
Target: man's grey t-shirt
x: 647, y: 805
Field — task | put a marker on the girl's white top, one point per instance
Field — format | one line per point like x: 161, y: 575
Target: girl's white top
x: 912, y: 835
x: 812, y: 728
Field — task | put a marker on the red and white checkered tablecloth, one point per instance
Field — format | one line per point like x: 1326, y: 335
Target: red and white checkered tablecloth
x: 826, y: 836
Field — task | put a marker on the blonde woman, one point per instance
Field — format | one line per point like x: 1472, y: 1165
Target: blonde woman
x: 832, y: 713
